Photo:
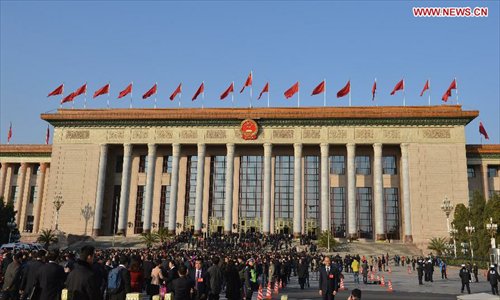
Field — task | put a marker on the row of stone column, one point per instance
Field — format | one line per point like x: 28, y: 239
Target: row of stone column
x: 266, y: 211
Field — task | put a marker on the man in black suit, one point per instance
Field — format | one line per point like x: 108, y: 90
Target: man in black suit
x: 171, y: 275
x: 51, y: 278
x: 328, y: 280
x: 201, y: 281
x: 29, y: 276
x: 182, y: 286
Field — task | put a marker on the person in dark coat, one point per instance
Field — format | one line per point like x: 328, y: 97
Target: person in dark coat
x: 50, y: 278
x: 172, y: 274
x: 302, y: 272
x: 12, y: 278
x: 81, y: 282
x: 147, y: 267
x: 465, y: 277
x: 201, y: 281
x: 182, y: 286
x: 125, y: 287
x: 233, y: 282
x: 29, y: 275
x: 216, y: 278
x: 328, y: 280
x: 493, y: 278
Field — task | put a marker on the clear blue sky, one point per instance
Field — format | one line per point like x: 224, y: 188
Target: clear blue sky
x: 45, y: 43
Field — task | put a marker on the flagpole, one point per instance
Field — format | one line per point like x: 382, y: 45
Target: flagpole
x: 404, y: 98
x: 156, y: 84
x: 350, y: 89
x: 429, y: 92
x: 132, y: 83
x: 375, y: 92
x: 298, y: 98
x: 324, y: 93
x: 203, y: 94
x: 109, y: 93
x: 232, y: 95
x: 456, y: 84
x: 268, y: 98
x: 251, y: 89
x: 180, y: 95
x: 85, y: 100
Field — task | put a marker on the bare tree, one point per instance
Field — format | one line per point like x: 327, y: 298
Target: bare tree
x: 87, y: 213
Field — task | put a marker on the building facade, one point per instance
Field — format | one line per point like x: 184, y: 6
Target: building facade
x: 371, y: 173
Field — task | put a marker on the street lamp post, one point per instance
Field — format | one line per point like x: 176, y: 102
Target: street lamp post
x: 492, y: 229
x: 58, y: 203
x: 447, y: 208
x: 470, y: 229
x: 453, y: 233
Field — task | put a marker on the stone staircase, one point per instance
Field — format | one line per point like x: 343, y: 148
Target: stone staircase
x: 110, y: 242
x: 376, y: 248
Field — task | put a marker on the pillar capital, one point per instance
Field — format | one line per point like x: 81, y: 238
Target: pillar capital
x: 176, y: 149
x: 43, y: 167
x: 127, y: 149
x: 230, y: 148
x: 350, y: 146
x: 201, y: 149
x: 325, y: 149
x: 268, y: 148
x: 404, y: 147
x: 377, y: 146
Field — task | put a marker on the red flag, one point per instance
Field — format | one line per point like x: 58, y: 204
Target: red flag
x: 200, y: 90
x: 399, y: 86
x: 345, y: 90
x: 47, y: 136
x: 9, y: 135
x: 453, y: 86
x: 126, y: 91
x: 58, y: 91
x: 292, y: 90
x: 178, y: 90
x: 319, y: 89
x: 264, y: 90
x: 248, y: 82
x: 426, y: 87
x: 374, y: 89
x: 102, y: 91
x: 230, y: 89
x: 81, y: 90
x: 151, y: 92
x: 68, y: 98
x: 483, y: 131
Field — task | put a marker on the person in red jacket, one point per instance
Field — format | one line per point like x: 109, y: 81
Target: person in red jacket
x: 136, y: 277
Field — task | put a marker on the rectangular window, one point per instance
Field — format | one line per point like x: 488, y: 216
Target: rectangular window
x: 312, y: 187
x: 164, y: 206
x: 338, y: 211
x: 33, y: 194
x: 191, y: 185
x: 143, y: 163
x: 13, y: 194
x: 365, y: 228
x: 389, y: 165
x: 251, y: 178
x: 139, y: 210
x: 119, y: 164
x: 363, y: 165
x: 283, y: 187
x: 35, y: 169
x: 217, y: 193
x: 337, y: 164
x: 167, y: 164
x: 391, y: 209
x: 29, y: 223
x: 492, y: 171
x: 471, y: 172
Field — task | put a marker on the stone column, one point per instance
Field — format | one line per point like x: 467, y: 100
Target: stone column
x: 198, y: 204
x: 228, y: 204
x: 325, y: 187
x: 352, y: 225
x: 174, y: 187
x: 297, y: 190
x: 150, y: 184
x: 101, y: 181
x: 405, y: 177
x: 378, y: 192
x: 40, y: 182
x: 21, y: 178
x: 3, y: 178
x: 486, y: 184
x: 266, y: 210
x: 125, y: 189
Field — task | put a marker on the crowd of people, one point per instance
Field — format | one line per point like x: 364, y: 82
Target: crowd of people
x: 198, y: 268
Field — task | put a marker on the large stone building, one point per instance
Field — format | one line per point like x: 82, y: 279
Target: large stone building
x: 371, y: 173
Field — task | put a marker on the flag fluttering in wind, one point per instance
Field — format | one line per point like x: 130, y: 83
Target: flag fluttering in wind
x: 81, y: 90
x: 68, y: 98
x: 426, y: 87
x: 374, y: 89
x: 199, y: 91
x: 447, y: 94
x: 150, y: 92
x: 482, y: 131
x: 126, y: 91
x: 102, y: 91
x: 177, y: 91
x: 9, y: 134
x: 345, y: 90
x: 399, y: 86
x: 230, y: 89
x: 47, y: 136
x: 248, y: 82
x: 292, y: 90
x: 58, y: 91
x: 264, y: 90
x: 319, y: 89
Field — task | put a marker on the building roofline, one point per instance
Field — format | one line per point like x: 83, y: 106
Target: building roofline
x: 31, y: 150
x: 476, y: 150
